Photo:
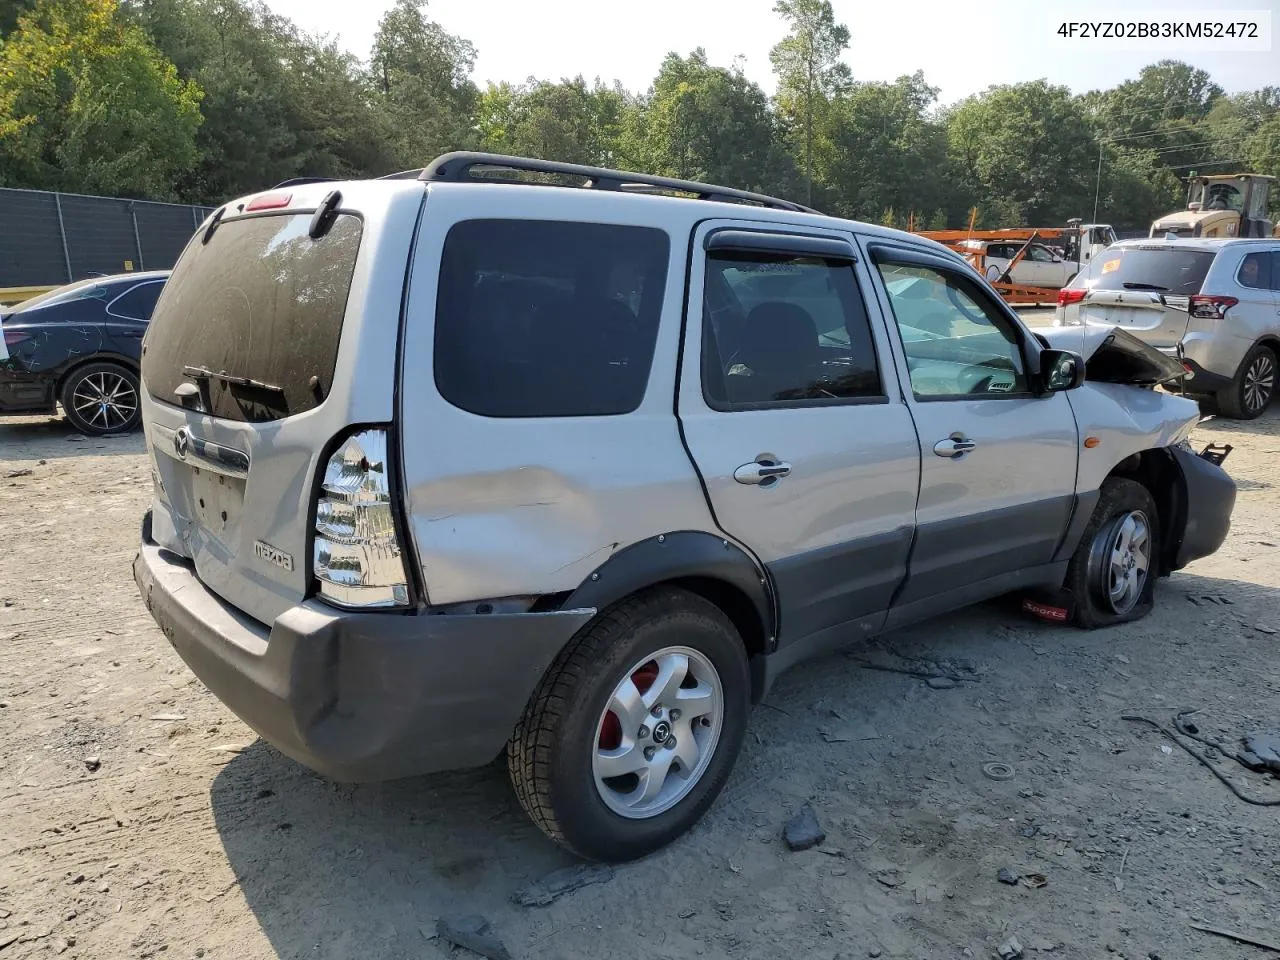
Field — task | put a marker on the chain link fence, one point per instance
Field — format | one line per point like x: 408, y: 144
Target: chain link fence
x: 48, y: 239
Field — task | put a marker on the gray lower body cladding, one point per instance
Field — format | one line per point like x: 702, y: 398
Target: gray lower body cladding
x: 359, y: 697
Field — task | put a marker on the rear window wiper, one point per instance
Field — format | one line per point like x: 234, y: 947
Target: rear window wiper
x: 1146, y: 286
x: 187, y: 393
x: 204, y: 373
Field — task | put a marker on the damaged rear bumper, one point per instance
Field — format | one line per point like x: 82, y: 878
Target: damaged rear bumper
x: 358, y: 697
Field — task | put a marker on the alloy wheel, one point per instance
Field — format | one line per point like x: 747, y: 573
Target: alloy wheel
x: 1259, y: 382
x: 1123, y: 550
x: 106, y: 401
x: 658, y: 733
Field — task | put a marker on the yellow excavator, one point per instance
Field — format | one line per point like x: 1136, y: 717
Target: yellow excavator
x: 1222, y: 205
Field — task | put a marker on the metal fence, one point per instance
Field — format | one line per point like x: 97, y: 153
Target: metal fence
x: 47, y: 239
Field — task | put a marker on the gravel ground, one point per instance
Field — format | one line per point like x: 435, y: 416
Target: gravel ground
x: 139, y: 818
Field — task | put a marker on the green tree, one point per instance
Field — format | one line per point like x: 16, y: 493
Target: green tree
x: 240, y: 55
x: 883, y: 149
x: 1163, y: 112
x: 708, y: 123
x: 568, y: 121
x: 422, y: 73
x: 1025, y: 153
x: 810, y: 72
x: 339, y: 132
x: 10, y: 10
x: 278, y: 103
x: 87, y: 103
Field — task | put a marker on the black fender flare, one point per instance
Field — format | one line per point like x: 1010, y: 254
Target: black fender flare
x: 692, y: 555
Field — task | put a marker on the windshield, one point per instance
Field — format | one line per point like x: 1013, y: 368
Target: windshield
x: 1159, y: 269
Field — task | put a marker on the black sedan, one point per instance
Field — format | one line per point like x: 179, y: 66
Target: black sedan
x: 79, y: 345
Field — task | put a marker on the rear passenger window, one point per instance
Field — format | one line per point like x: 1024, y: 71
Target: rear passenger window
x: 1255, y: 272
x: 781, y: 329
x: 138, y: 303
x: 548, y: 319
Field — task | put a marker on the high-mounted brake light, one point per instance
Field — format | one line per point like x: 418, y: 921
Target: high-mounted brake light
x: 1069, y: 295
x: 1210, y: 308
x: 269, y: 201
x: 357, y: 558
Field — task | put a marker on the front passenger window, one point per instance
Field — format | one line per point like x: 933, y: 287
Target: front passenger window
x: 958, y: 343
x: 781, y: 329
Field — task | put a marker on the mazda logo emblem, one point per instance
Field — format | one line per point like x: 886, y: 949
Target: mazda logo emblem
x: 182, y: 442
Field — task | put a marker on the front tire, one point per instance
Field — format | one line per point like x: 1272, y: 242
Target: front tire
x: 101, y: 399
x: 1112, y: 574
x: 635, y: 728
x: 1253, y: 388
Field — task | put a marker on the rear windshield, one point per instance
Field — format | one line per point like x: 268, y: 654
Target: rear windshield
x: 260, y: 302
x: 1158, y: 269
x: 80, y: 290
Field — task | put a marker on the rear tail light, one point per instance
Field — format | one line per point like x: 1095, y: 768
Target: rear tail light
x: 357, y: 558
x: 1067, y: 296
x: 14, y: 337
x: 1210, y: 308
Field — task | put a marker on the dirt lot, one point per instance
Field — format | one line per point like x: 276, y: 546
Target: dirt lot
x: 190, y: 839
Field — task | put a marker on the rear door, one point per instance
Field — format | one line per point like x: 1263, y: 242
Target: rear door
x: 998, y: 465
x: 1257, y: 281
x: 129, y: 313
x: 265, y: 346
x: 807, y: 455
x: 1146, y: 290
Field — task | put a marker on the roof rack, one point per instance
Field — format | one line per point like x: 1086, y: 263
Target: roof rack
x: 460, y: 167
x: 302, y: 181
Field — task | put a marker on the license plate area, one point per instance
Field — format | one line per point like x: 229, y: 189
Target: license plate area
x: 216, y: 502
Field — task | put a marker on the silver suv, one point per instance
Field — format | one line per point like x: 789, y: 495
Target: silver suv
x: 1213, y: 303
x: 520, y: 455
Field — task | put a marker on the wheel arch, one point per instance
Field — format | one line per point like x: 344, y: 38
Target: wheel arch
x: 120, y: 360
x: 1271, y: 341
x: 706, y: 564
x: 1158, y: 470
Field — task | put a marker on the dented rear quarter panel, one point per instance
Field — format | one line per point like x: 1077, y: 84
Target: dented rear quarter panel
x: 505, y: 507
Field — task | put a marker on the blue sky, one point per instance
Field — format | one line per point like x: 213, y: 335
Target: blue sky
x: 961, y: 46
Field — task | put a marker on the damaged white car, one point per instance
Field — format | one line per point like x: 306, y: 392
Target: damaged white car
x: 465, y: 462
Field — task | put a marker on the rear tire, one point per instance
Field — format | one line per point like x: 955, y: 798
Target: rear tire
x: 102, y: 399
x: 1112, y: 575
x: 565, y: 751
x: 1254, y: 386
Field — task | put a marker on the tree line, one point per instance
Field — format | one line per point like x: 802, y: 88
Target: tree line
x: 202, y: 100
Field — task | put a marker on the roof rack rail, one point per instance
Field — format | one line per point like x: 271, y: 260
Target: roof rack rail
x: 302, y: 181
x: 457, y: 167
x: 403, y: 175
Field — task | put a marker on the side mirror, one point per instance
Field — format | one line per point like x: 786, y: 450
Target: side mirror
x: 1061, y: 370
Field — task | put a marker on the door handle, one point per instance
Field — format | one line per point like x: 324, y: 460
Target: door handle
x: 954, y: 447
x: 764, y: 471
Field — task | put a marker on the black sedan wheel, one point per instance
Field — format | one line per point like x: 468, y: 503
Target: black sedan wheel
x: 101, y: 399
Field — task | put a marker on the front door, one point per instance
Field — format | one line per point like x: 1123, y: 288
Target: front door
x: 998, y: 464
x: 789, y: 408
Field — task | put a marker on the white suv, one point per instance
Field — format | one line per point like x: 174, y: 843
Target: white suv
x: 453, y: 464
x: 1215, y: 304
